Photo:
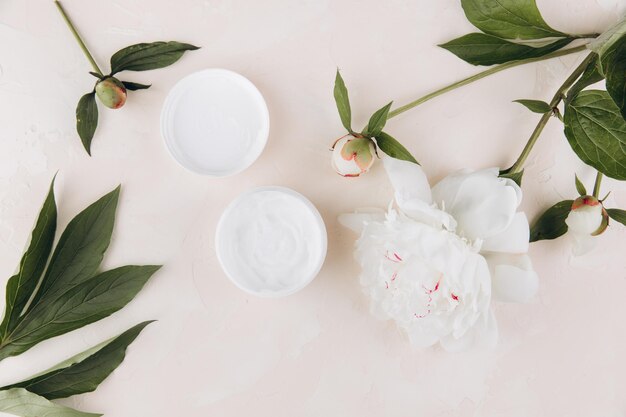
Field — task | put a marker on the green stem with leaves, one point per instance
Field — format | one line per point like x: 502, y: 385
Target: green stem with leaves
x: 556, y: 100
x: 481, y: 75
x: 598, y: 183
x: 82, y: 45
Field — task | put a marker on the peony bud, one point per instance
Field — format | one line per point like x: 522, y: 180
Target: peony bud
x: 353, y: 156
x: 587, y: 217
x: 111, y: 92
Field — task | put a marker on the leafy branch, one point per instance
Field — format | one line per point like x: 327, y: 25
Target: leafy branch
x: 111, y: 91
x: 513, y: 34
x: 56, y: 292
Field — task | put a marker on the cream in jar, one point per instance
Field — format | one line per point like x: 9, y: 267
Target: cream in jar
x: 271, y: 241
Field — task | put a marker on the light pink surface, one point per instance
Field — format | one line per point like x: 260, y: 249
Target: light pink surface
x: 219, y: 351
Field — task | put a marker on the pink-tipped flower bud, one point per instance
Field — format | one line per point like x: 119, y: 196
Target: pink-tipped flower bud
x: 353, y: 156
x: 587, y: 217
x: 111, y: 92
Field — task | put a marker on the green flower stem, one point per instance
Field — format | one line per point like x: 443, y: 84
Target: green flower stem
x: 596, y: 186
x: 558, y: 97
x: 480, y: 75
x: 78, y: 38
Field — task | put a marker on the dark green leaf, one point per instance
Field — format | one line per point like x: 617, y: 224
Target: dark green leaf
x: 81, y: 247
x: 591, y: 76
x: 77, y: 306
x: 21, y: 286
x: 148, y: 56
x: 580, y: 187
x: 508, y: 19
x: 551, y: 224
x: 482, y: 49
x: 596, y: 131
x: 377, y: 121
x: 19, y: 402
x: 343, y: 102
x: 134, y: 86
x: 95, y: 74
x: 516, y: 176
x: 617, y: 215
x: 536, y: 106
x: 87, y: 119
x: 614, y: 66
x: 84, y: 372
x: 393, y: 148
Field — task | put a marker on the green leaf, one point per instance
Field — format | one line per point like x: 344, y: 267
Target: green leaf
x: 135, y: 86
x: 591, y: 76
x: 87, y: 119
x: 580, y: 187
x: 614, y: 66
x: 551, y: 224
x: 393, y: 148
x: 81, y: 247
x: 343, y: 102
x: 84, y: 372
x: 21, y: 286
x: 508, y: 19
x: 19, y: 402
x: 148, y: 56
x: 77, y: 306
x: 95, y: 74
x: 515, y: 176
x: 535, y: 106
x: 377, y: 121
x: 617, y: 215
x: 596, y: 131
x: 482, y: 49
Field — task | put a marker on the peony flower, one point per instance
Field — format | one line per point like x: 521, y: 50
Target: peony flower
x: 353, y: 156
x: 587, y: 219
x: 435, y: 263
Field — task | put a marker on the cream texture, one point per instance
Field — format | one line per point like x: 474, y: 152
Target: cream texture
x: 271, y: 242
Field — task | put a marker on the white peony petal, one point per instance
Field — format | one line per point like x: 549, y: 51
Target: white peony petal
x: 360, y: 218
x: 428, y: 214
x: 482, y: 203
x: 518, y: 191
x: 408, y: 180
x: 584, y: 220
x: 514, y: 239
x: 484, y: 335
x: 512, y: 278
x: 421, y: 339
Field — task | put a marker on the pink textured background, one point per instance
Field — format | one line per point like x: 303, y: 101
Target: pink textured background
x: 218, y: 351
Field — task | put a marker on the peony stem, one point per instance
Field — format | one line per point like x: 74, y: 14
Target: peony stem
x: 82, y: 45
x: 481, y: 75
x: 558, y: 97
x: 596, y: 186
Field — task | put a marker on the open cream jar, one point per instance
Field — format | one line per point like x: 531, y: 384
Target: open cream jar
x: 271, y: 241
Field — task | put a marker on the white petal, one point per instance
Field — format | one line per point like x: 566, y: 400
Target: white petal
x: 360, y: 218
x: 428, y: 214
x: 584, y: 220
x: 482, y: 203
x: 483, y: 335
x: 512, y: 278
x: 408, y: 180
x: 514, y: 239
x: 518, y: 191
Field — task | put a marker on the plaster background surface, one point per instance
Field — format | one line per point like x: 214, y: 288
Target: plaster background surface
x: 218, y: 351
